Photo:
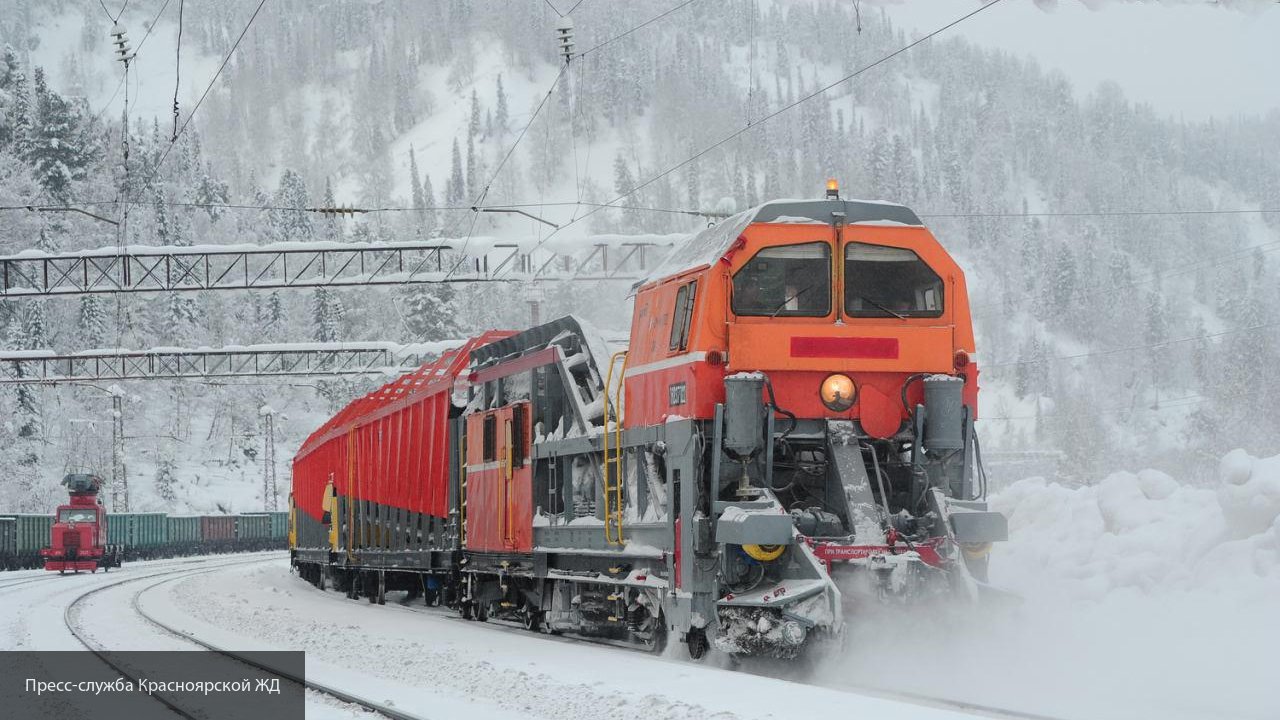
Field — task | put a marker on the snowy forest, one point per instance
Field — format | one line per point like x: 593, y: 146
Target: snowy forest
x: 1119, y: 325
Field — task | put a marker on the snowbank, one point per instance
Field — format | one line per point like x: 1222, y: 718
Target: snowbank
x: 1146, y: 533
x: 1143, y: 596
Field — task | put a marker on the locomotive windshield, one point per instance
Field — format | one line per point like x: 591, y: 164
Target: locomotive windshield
x: 79, y: 515
x: 884, y: 281
x: 791, y: 280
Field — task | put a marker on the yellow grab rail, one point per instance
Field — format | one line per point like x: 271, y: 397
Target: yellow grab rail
x: 613, y: 479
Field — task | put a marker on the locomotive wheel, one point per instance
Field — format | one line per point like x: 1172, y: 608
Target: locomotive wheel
x: 532, y: 618
x: 696, y: 640
x: 659, y: 644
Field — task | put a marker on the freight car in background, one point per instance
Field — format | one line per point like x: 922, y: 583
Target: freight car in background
x: 142, y: 536
x: 26, y: 534
x: 8, y: 544
x: 147, y: 536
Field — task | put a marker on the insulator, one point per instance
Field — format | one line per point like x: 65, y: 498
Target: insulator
x: 120, y: 38
x: 564, y: 37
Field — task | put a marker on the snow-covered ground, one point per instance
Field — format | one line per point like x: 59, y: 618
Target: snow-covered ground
x: 1143, y: 596
x: 431, y: 661
x: 1140, y: 596
x: 424, y: 661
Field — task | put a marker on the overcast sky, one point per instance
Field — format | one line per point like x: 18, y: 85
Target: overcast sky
x: 1192, y: 59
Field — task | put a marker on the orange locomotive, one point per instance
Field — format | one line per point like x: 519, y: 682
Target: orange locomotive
x: 796, y: 408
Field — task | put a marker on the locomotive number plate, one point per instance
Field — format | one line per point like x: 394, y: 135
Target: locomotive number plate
x: 677, y: 394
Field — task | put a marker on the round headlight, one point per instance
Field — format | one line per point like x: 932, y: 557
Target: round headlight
x: 838, y: 392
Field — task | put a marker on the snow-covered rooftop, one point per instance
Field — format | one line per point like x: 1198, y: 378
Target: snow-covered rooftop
x: 707, y: 246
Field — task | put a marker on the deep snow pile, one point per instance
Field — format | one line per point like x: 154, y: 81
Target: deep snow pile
x: 1146, y: 534
x: 1140, y: 596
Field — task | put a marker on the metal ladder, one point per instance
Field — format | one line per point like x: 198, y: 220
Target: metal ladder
x: 613, y: 478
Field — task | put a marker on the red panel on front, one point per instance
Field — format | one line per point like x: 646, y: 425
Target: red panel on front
x: 867, y: 348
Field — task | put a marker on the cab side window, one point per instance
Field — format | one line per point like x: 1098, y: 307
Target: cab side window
x: 682, y: 316
x: 489, y: 439
x: 519, y: 446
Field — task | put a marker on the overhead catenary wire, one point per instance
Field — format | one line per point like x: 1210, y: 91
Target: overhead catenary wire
x: 565, y: 203
x: 1234, y: 256
x: 143, y: 41
x: 484, y: 192
x: 118, y: 15
x: 1103, y: 213
x: 177, y: 73
x: 642, y: 25
x: 1167, y: 404
x: 735, y: 134
x: 156, y: 170
x: 1130, y: 348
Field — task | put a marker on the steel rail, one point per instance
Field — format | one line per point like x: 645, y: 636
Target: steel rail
x: 82, y: 637
x: 919, y: 699
x: 342, y: 695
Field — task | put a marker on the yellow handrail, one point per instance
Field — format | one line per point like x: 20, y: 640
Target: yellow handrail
x: 613, y: 455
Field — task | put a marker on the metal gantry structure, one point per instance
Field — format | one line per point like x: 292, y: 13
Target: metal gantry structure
x: 143, y: 269
x: 288, y: 360
x: 314, y: 265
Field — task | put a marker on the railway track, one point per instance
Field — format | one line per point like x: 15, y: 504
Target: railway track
x: 920, y: 699
x: 83, y: 638
x: 337, y: 693
x: 167, y: 575
x: 26, y: 581
x: 43, y: 576
x: 934, y: 701
x: 977, y: 709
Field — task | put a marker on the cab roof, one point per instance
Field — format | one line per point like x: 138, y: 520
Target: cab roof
x: 709, y: 245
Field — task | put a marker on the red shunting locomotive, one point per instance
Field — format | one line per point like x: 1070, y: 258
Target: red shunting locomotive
x: 78, y: 540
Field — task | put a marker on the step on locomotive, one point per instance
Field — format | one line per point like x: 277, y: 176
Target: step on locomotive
x: 788, y: 435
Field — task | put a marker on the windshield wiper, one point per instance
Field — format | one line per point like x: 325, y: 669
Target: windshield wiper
x: 865, y: 299
x: 798, y: 293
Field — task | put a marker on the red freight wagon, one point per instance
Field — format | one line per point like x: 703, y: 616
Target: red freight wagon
x: 379, y: 472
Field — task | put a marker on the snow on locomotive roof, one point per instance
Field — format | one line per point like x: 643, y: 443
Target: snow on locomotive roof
x: 708, y: 246
x: 820, y: 211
